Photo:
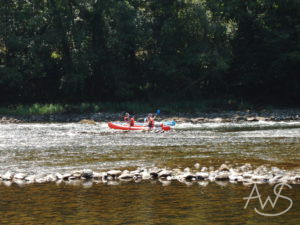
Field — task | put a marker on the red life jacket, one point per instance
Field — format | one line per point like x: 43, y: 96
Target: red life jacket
x: 131, y: 123
x: 151, y: 122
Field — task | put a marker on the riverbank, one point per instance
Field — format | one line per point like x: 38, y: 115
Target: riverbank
x: 197, y: 117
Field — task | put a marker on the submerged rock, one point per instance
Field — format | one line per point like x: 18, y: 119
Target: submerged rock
x: 203, y: 183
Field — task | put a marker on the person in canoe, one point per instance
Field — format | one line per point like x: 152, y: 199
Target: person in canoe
x: 150, y: 120
x: 126, y: 117
x: 131, y: 121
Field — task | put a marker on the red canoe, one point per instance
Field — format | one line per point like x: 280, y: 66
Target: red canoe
x: 136, y: 127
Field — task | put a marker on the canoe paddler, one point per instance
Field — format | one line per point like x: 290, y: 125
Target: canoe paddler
x: 131, y: 121
x: 126, y: 117
x: 150, y: 120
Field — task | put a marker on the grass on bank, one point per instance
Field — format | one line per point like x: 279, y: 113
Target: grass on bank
x: 132, y: 107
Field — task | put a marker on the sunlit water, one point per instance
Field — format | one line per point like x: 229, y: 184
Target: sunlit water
x: 50, y: 148
x: 38, y: 148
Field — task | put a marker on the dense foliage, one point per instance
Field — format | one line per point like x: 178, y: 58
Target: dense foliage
x: 149, y: 50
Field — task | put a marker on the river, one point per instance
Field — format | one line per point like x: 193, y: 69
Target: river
x: 64, y: 147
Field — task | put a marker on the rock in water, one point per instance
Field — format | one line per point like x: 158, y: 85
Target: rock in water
x: 30, y: 178
x: 66, y: 176
x: 114, y: 173
x: 19, y: 176
x: 76, y: 175
x: 197, y: 166
x: 222, y: 176
x: 146, y: 175
x: 223, y: 168
x: 126, y: 176
x: 164, y: 173
x: 87, y: 174
x: 189, y: 176
x: 59, y: 176
x: 204, y: 169
x: 8, y: 176
x: 98, y: 176
x: 50, y: 178
x: 201, y: 175
x: 187, y: 170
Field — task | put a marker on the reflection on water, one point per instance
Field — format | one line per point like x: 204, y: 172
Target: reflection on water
x: 141, y: 203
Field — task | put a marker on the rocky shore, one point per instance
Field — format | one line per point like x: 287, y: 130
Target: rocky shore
x: 201, y: 117
x: 245, y: 174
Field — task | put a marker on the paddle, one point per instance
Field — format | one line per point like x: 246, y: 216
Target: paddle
x: 157, y: 112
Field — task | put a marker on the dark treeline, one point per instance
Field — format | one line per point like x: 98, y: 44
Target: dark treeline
x: 149, y: 50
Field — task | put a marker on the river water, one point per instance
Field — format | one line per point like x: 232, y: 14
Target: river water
x: 58, y: 147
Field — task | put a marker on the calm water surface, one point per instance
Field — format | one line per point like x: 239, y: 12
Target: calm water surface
x: 51, y: 148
